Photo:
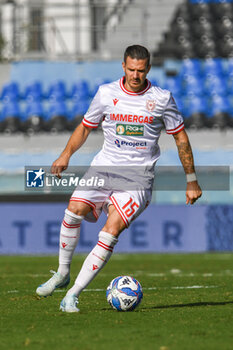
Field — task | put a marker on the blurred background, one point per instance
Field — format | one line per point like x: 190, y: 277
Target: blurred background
x: 53, y: 56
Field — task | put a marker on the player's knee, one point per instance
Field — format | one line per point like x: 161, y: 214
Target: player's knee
x: 114, y: 230
x: 111, y: 231
x: 79, y: 208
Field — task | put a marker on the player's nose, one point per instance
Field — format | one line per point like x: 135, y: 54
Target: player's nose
x: 135, y: 74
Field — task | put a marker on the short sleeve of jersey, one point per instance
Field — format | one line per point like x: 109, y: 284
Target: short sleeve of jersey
x: 95, y: 112
x: 172, y: 118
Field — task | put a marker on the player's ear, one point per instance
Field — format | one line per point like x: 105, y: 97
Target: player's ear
x: 123, y: 66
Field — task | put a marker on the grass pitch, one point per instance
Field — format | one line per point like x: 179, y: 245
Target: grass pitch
x: 187, y: 305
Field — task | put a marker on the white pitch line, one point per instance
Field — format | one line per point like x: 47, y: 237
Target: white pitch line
x: 149, y: 274
x: 151, y: 288
x: 180, y: 287
x: 190, y: 274
x: 103, y: 290
x: 194, y: 287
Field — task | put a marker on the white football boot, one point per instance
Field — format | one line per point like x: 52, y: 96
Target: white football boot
x: 68, y: 304
x: 57, y: 281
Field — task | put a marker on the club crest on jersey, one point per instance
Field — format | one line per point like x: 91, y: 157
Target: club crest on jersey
x: 150, y: 105
x: 115, y: 100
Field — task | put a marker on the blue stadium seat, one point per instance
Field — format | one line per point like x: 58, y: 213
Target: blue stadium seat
x: 196, y: 112
x: 57, y: 116
x: 197, y: 105
x: 10, y: 92
x: 11, y: 109
x: 213, y: 67
x: 193, y: 85
x: 80, y: 90
x: 34, y: 117
x: 220, y: 104
x: 34, y: 91
x: 214, y: 85
x: 180, y: 104
x: 173, y: 84
x: 229, y: 83
x: 78, y: 110
x: 57, y: 108
x: 57, y: 91
x: 190, y: 67
x: 199, y: 1
x: 219, y: 112
x: 229, y: 67
x: 11, y: 117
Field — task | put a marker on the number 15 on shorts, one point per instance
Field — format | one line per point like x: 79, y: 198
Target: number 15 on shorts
x: 130, y: 207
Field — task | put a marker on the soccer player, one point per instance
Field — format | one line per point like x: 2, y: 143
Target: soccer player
x: 133, y: 113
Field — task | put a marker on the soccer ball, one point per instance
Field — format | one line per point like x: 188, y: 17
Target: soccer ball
x: 124, y: 293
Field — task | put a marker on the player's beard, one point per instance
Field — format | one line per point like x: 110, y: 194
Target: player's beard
x: 136, y: 81
x: 137, y: 84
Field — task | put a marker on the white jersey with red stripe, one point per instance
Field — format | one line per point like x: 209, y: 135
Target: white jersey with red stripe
x: 132, y: 123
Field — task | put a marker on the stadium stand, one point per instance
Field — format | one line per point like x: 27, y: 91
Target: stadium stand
x: 199, y: 86
x: 203, y: 86
x: 201, y: 29
x: 200, y: 38
x: 37, y: 109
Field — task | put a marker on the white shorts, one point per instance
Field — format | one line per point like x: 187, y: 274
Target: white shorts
x: 129, y: 204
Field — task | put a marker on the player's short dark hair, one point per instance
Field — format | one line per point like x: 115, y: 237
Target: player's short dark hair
x: 137, y: 51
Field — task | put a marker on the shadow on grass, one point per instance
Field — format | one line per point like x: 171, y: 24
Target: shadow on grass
x: 204, y: 303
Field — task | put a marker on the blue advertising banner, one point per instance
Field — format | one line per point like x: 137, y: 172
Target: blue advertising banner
x: 33, y: 228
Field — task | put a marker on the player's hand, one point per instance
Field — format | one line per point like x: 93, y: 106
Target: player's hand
x: 193, y: 192
x: 59, y: 165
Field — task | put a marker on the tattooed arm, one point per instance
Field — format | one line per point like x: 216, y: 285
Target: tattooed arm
x: 193, y: 190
